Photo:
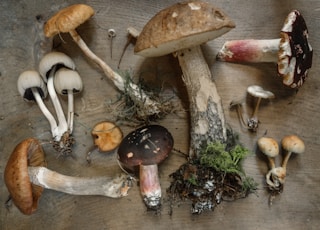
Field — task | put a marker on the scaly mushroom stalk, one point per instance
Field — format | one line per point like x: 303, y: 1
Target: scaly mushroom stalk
x: 32, y: 88
x: 292, y: 51
x: 180, y: 29
x: 67, y: 20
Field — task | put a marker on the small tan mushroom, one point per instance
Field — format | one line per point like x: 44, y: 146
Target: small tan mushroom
x: 107, y: 136
x: 269, y: 147
x: 291, y: 144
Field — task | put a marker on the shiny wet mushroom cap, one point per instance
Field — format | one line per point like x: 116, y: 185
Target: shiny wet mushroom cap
x: 145, y: 146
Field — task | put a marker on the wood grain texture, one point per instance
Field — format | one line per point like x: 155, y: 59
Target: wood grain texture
x: 298, y: 207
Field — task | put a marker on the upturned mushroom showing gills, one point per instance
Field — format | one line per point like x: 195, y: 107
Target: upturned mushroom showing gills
x: 66, y: 21
x: 68, y: 82
x: 180, y: 30
x: 145, y: 148
x: 32, y: 88
x: 292, y: 51
x: 26, y: 176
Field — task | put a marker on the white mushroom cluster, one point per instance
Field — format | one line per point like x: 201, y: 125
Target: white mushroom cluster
x: 56, y: 74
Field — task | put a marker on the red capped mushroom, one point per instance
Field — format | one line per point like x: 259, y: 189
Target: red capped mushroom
x: 145, y: 148
x: 292, y: 51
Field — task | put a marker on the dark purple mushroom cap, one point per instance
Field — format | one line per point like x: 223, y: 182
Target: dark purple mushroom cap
x: 147, y: 145
x: 295, y: 51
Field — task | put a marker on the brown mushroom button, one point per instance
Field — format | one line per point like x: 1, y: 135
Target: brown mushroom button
x: 24, y: 194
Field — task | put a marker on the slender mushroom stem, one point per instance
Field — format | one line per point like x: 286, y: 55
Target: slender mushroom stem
x: 104, y: 186
x: 250, y: 50
x: 253, y: 120
x: 206, y: 111
x: 152, y: 107
x: 62, y: 122
x: 45, y: 111
x: 70, y: 114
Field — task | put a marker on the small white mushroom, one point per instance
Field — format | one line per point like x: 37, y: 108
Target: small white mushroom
x: 259, y: 93
x: 68, y: 82
x: 32, y: 88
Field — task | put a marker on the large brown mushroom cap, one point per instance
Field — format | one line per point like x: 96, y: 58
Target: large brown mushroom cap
x: 107, y: 136
x: 181, y: 26
x: 68, y: 19
x: 24, y: 194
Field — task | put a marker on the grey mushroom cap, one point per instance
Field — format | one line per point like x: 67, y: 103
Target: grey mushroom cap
x: 54, y: 59
x: 258, y: 91
x: 67, y: 80
x: 31, y: 79
x: 147, y: 145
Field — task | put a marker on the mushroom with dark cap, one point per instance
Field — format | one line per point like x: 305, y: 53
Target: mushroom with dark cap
x: 26, y: 175
x: 147, y: 147
x: 32, y: 88
x: 292, y: 51
x: 181, y: 29
x: 257, y: 92
x: 66, y: 21
x: 68, y: 82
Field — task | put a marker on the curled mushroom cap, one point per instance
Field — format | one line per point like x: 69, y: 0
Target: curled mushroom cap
x: 68, y: 19
x: 181, y: 26
x: 24, y: 194
x: 107, y: 136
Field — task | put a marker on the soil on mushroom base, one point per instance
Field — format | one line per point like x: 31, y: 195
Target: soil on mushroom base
x: 207, y: 180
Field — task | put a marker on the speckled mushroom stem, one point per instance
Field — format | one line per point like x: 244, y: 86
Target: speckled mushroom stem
x: 150, y: 185
x: 249, y: 50
x: 206, y: 111
x: 136, y: 94
x: 104, y: 186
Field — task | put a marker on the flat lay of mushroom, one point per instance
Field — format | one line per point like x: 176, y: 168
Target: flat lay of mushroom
x: 26, y: 176
x: 180, y: 30
x: 32, y: 88
x: 48, y: 67
x: 145, y: 148
x: 66, y: 21
x: 292, y: 51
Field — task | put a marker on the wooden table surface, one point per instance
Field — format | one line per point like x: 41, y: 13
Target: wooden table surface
x: 298, y: 207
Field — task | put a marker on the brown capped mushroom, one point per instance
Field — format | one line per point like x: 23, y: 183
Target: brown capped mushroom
x: 181, y: 29
x: 66, y: 21
x: 145, y: 148
x: 292, y: 51
x: 26, y: 175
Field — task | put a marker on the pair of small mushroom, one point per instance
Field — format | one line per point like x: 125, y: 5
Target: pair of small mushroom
x: 256, y: 92
x: 275, y: 178
x: 58, y: 71
x: 292, y: 51
x: 26, y: 176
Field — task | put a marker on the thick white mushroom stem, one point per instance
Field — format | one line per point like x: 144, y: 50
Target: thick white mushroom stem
x: 62, y: 122
x: 150, y: 186
x: 45, y: 111
x: 206, y: 111
x: 136, y: 94
x: 104, y: 186
x: 250, y: 50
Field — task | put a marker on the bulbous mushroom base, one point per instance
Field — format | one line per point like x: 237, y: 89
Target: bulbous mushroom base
x: 64, y: 145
